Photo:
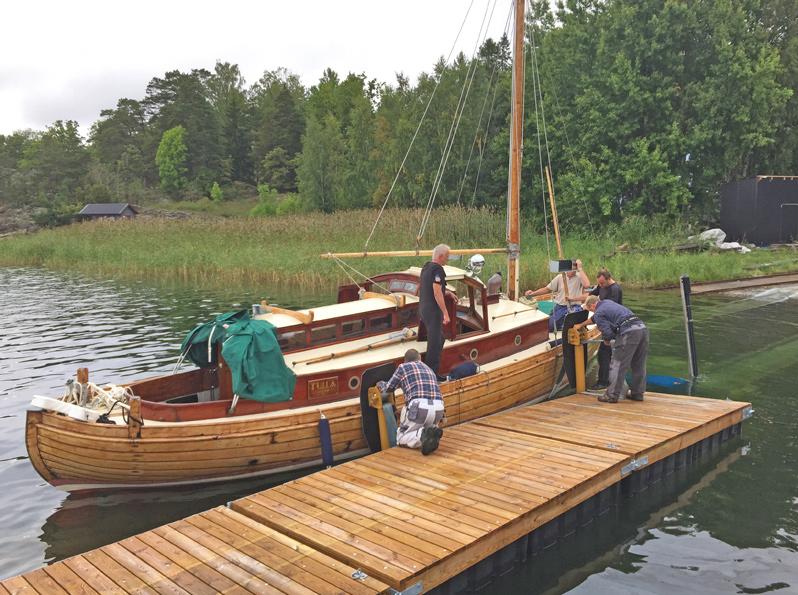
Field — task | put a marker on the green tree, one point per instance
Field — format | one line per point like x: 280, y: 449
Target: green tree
x: 234, y: 113
x: 180, y: 99
x: 58, y: 162
x: 278, y: 170
x: 279, y: 123
x: 16, y: 185
x: 320, y: 166
x: 171, y: 160
x: 216, y: 193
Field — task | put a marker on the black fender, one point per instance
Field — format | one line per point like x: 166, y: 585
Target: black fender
x: 368, y: 415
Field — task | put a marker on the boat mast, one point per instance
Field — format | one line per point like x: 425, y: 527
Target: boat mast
x: 516, y: 140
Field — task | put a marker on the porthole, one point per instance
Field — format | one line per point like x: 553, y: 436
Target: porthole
x: 354, y: 382
x: 517, y: 339
x: 474, y: 354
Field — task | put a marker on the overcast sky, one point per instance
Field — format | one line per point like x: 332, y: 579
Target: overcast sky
x: 69, y: 60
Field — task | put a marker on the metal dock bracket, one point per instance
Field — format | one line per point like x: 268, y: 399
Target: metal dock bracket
x: 634, y: 465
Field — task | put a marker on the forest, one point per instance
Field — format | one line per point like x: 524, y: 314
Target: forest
x: 650, y: 106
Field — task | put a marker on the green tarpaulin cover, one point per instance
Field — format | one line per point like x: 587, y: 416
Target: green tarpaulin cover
x: 251, y: 351
x: 546, y: 306
x: 196, y: 344
x: 256, y: 362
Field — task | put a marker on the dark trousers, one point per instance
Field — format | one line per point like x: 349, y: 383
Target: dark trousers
x: 604, y: 357
x: 630, y: 351
x: 434, y: 323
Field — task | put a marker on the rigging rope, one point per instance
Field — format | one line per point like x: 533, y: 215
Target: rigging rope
x: 415, y: 134
x: 102, y: 397
x: 458, y: 114
x: 490, y: 117
x: 343, y: 264
x: 479, y: 123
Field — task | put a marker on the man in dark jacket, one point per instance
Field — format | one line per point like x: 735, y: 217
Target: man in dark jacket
x: 619, y: 323
x: 606, y: 289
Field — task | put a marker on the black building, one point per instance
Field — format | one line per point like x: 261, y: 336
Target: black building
x: 762, y: 210
x: 111, y: 209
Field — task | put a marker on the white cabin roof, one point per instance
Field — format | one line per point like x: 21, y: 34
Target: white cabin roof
x: 452, y: 274
x: 332, y: 311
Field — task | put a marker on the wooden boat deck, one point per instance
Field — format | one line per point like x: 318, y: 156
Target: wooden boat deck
x: 396, y: 519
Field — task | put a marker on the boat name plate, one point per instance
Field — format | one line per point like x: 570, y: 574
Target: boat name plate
x: 323, y: 387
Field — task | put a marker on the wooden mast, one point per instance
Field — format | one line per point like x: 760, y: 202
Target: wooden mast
x: 516, y: 140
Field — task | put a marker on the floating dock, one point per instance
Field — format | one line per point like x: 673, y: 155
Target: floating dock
x: 498, y: 490
x: 751, y: 282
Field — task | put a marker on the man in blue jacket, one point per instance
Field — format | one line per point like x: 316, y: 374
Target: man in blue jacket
x: 631, y: 346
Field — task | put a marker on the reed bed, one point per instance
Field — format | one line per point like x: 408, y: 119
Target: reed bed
x: 285, y: 250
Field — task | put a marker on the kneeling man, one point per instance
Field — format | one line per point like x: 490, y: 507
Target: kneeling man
x: 631, y: 346
x: 423, y: 410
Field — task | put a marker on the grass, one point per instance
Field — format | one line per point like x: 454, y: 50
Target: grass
x: 285, y: 250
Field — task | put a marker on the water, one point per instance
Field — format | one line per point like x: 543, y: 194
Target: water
x: 731, y: 526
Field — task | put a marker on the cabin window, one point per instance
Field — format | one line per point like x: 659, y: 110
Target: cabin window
x: 322, y: 334
x: 402, y: 286
x: 408, y: 317
x: 288, y: 341
x: 353, y: 328
x: 380, y: 323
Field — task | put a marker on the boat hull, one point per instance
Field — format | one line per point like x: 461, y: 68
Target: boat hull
x: 76, y: 455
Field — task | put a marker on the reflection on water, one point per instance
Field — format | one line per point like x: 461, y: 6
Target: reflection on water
x: 53, y: 324
x: 728, y: 525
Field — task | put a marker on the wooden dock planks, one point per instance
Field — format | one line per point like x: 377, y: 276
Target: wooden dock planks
x: 396, y: 519
x: 655, y: 428
x: 484, y: 487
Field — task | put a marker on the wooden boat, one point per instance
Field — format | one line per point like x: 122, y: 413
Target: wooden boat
x: 189, y: 428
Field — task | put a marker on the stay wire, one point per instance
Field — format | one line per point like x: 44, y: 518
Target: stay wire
x: 418, y: 128
x: 344, y: 265
x: 490, y: 115
x: 458, y: 114
x: 479, y: 124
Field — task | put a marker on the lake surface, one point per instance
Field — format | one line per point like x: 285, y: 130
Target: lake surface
x: 730, y: 526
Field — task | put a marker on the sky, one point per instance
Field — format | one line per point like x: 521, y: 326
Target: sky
x: 69, y: 60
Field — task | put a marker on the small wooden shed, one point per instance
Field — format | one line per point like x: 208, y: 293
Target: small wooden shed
x: 111, y: 209
x: 762, y: 210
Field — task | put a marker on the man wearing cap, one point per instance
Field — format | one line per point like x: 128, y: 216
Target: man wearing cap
x: 423, y: 410
x: 619, y: 323
x: 577, y: 284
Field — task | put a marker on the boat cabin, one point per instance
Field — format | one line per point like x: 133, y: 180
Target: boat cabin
x: 386, y: 303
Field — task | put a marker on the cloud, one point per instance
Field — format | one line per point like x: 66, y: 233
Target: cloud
x: 87, y: 55
x: 82, y: 98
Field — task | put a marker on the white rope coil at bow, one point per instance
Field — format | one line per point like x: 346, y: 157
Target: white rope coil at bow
x: 101, y: 397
